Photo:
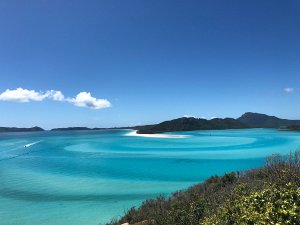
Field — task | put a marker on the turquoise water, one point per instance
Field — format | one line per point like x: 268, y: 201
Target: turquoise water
x: 75, y: 178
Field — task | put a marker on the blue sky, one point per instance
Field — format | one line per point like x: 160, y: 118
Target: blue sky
x: 151, y: 60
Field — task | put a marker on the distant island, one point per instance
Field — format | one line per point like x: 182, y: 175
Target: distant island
x: 258, y: 120
x: 75, y: 128
x: 97, y: 128
x: 191, y: 123
x: 15, y: 129
x: 247, y: 120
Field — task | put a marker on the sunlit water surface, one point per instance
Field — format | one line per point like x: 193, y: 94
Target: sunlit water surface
x: 76, y: 178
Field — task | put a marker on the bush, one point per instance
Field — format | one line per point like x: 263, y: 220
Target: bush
x: 270, y: 206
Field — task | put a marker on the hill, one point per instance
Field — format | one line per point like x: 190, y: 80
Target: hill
x: 293, y: 128
x: 247, y: 120
x: 258, y: 120
x: 112, y: 128
x: 267, y: 195
x: 15, y: 129
x: 71, y: 129
x: 191, y: 123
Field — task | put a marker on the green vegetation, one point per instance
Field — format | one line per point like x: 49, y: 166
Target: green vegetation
x: 293, y: 128
x: 72, y: 129
x: 247, y: 120
x: 273, y: 205
x: 97, y: 128
x: 258, y: 120
x: 191, y: 123
x: 268, y: 195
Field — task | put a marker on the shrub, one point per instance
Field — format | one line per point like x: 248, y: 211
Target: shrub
x: 270, y: 206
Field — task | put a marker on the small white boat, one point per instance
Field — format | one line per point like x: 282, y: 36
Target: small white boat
x: 28, y: 145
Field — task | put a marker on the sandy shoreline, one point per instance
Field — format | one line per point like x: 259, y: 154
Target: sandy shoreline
x: 134, y: 133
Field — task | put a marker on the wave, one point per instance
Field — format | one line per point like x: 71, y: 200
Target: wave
x: 135, y: 134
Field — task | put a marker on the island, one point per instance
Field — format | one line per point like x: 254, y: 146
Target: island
x: 191, y: 123
x: 247, y: 120
x: 16, y: 129
x: 74, y: 129
x: 100, y: 128
x: 258, y: 120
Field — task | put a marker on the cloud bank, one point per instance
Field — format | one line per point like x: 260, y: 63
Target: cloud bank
x: 82, y: 99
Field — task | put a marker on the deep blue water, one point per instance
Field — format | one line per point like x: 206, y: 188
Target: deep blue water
x: 75, y: 178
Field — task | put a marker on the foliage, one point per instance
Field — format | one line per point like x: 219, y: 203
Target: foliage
x: 15, y: 129
x: 191, y: 123
x: 272, y: 205
x: 265, y: 121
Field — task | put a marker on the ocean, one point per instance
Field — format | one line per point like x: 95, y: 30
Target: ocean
x: 90, y: 177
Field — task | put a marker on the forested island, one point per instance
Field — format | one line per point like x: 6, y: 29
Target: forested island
x: 74, y: 129
x: 247, y: 120
x: 191, y: 123
x: 99, y: 128
x: 258, y: 120
x: 16, y: 129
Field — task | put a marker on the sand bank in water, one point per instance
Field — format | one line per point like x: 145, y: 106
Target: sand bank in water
x: 134, y: 133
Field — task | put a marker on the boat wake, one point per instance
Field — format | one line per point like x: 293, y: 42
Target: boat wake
x: 30, y: 144
x: 17, y: 152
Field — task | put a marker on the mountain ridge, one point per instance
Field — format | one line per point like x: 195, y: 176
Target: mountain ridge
x: 191, y: 123
x: 247, y: 120
x: 16, y: 129
x: 259, y: 120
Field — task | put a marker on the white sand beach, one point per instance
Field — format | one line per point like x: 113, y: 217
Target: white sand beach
x: 134, y: 133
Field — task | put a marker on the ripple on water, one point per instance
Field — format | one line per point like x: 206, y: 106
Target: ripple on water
x: 91, y: 177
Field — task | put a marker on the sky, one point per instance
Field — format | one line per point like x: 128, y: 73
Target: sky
x: 105, y: 63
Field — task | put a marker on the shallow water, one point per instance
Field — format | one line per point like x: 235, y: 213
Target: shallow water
x: 89, y: 177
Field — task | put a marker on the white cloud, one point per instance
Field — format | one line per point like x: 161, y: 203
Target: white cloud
x: 289, y: 89
x: 25, y: 95
x: 22, y: 95
x: 55, y: 95
x: 85, y: 99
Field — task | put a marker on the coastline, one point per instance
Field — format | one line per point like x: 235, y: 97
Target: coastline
x: 135, y: 134
x: 198, y: 205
